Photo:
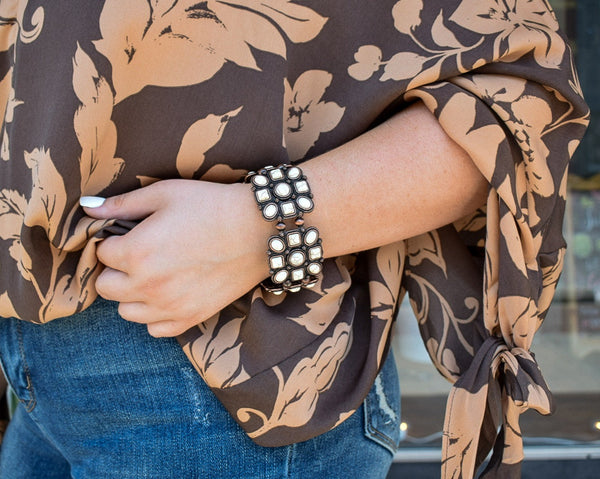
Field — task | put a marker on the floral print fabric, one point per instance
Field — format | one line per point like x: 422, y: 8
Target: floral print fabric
x: 105, y: 97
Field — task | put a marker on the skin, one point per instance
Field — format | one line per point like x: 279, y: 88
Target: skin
x: 202, y: 245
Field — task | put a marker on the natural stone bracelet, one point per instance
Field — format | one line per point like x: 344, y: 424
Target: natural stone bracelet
x: 295, y: 256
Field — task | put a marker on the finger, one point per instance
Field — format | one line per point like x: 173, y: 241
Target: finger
x: 134, y: 205
x: 142, y: 313
x: 112, y: 253
x: 115, y: 286
x: 167, y: 329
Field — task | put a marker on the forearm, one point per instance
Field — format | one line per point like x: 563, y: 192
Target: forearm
x: 403, y: 178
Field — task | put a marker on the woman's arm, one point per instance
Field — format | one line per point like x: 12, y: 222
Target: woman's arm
x: 202, y: 245
x: 401, y: 179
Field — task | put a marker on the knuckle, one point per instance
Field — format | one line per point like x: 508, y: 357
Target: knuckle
x: 117, y: 202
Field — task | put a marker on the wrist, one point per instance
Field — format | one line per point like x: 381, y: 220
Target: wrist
x: 295, y: 254
x: 252, y: 232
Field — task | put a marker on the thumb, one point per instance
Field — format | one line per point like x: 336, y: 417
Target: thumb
x: 134, y: 205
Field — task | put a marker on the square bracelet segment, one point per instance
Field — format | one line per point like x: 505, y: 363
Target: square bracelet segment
x: 295, y: 256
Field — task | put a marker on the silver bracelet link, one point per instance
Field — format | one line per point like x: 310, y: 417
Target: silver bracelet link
x: 295, y: 256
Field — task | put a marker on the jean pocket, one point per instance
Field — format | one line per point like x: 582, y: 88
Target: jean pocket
x: 382, y: 408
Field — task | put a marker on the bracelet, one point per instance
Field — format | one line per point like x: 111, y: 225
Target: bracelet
x: 295, y: 256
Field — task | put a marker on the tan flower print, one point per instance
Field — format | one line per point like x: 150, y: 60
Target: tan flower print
x: 7, y: 110
x: 297, y: 397
x: 12, y: 15
x: 12, y: 210
x: 305, y: 115
x: 48, y: 196
x: 322, y: 311
x: 419, y: 67
x: 6, y: 306
x: 216, y: 352
x: 92, y: 122
x: 384, y: 294
x: 426, y: 247
x: 198, y: 139
x: 529, y: 119
x: 520, y: 25
x: 401, y: 66
x: 184, y: 42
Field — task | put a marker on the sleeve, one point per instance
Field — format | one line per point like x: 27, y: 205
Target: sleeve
x: 500, y: 79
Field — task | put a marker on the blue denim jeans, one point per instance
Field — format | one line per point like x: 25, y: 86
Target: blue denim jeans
x: 100, y: 398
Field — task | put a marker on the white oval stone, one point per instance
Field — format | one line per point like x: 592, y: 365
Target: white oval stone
x: 311, y: 237
x: 296, y: 258
x: 304, y: 203
x: 277, y: 245
x: 280, y: 276
x: 314, y: 268
x: 270, y: 211
x: 283, y: 190
x: 295, y: 290
x: 293, y: 173
x: 260, y: 180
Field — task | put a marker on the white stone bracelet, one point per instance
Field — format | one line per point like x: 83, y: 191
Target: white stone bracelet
x: 295, y: 256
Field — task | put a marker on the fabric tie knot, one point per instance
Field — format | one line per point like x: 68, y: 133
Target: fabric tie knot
x: 500, y: 384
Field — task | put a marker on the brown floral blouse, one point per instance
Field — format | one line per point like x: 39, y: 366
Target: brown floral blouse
x: 102, y: 97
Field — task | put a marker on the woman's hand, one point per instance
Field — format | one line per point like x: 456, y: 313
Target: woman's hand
x: 199, y: 247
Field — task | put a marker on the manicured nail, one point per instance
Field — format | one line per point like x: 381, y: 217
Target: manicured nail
x: 91, y: 201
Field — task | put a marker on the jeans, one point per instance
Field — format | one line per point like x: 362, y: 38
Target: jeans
x: 100, y: 398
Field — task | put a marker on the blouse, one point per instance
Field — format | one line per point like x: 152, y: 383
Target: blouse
x: 103, y: 97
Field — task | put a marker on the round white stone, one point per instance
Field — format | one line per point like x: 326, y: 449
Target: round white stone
x: 280, y: 276
x: 293, y: 173
x: 296, y: 258
x: 304, y: 203
x: 283, y: 190
x: 314, y: 268
x: 311, y: 237
x: 270, y: 211
x: 295, y: 290
x: 260, y: 180
x: 277, y: 245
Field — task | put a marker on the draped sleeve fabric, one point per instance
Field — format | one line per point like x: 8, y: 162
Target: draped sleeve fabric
x: 105, y: 97
x: 481, y: 288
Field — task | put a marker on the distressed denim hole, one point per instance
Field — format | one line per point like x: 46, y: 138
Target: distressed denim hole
x: 382, y: 408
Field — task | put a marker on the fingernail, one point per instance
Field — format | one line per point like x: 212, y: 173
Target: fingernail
x: 91, y: 201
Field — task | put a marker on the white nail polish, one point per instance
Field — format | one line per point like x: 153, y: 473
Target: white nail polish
x: 91, y: 201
